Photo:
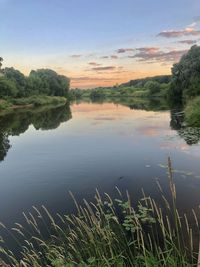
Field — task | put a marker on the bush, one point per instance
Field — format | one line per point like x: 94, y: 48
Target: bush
x: 153, y: 87
x: 192, y: 112
x: 39, y: 100
x: 4, y: 104
x: 7, y: 88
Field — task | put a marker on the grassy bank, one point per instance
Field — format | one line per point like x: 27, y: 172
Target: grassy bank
x: 33, y: 101
x: 108, y: 232
x: 192, y: 112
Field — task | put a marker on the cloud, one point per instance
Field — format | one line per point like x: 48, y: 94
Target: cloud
x: 92, y: 79
x: 94, y: 64
x: 157, y: 55
x: 86, y: 78
x: 76, y: 56
x: 124, y: 50
x: 107, y: 68
x: 104, y: 57
x: 196, y: 20
x: 149, y: 50
x: 189, y: 42
x: 114, y: 56
x: 179, y: 33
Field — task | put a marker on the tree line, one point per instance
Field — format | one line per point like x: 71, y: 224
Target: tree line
x: 15, y: 84
x: 185, y: 82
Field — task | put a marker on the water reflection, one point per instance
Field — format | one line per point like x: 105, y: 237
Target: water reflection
x: 120, y: 142
x: 191, y: 135
x: 16, y: 123
x: 46, y: 118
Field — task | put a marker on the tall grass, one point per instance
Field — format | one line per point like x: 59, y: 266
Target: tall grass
x: 107, y: 232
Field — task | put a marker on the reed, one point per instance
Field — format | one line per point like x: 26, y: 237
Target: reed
x: 108, y: 232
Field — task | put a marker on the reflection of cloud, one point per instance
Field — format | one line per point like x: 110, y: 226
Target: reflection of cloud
x: 170, y: 145
x: 102, y: 118
x: 149, y: 131
x: 157, y: 127
x: 157, y: 55
x: 179, y: 33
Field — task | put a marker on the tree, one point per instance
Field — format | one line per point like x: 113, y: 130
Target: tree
x: 186, y: 75
x: 48, y: 82
x: 18, y: 78
x: 1, y: 60
x: 7, y: 88
x: 153, y: 87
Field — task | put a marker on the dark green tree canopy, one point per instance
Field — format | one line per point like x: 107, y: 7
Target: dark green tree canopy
x: 17, y: 78
x: 48, y: 82
x: 153, y: 87
x: 13, y: 83
x: 186, y: 75
x: 1, y: 60
x: 7, y: 88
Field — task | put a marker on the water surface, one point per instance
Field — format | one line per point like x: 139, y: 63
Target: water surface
x: 47, y: 152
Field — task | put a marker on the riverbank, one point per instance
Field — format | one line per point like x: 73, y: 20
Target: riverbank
x: 10, y: 105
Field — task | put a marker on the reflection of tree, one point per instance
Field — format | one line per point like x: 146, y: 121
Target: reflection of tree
x: 4, y: 145
x: 44, y: 118
x: 51, y: 119
x: 191, y: 135
x: 151, y: 104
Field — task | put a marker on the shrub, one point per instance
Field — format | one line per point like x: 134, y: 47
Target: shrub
x: 192, y: 112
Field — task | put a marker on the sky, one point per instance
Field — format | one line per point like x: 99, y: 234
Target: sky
x: 98, y: 42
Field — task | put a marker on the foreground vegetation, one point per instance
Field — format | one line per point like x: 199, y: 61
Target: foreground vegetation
x: 108, y: 232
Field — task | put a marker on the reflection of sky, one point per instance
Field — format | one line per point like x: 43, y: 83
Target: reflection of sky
x: 101, y: 143
x: 137, y: 124
x: 98, y: 43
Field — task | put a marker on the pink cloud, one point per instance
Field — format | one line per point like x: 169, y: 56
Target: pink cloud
x: 179, y: 33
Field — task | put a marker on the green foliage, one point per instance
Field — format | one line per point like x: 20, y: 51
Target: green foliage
x: 185, y: 76
x: 39, y: 100
x: 1, y: 60
x: 4, y: 104
x: 41, y: 82
x: 98, y: 93
x: 144, y: 88
x: 192, y: 112
x: 48, y: 82
x: 17, y: 78
x: 141, y: 82
x: 108, y: 233
x: 15, y: 123
x: 153, y: 87
x: 7, y: 88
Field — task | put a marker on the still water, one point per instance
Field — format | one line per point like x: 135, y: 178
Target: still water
x: 47, y: 152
